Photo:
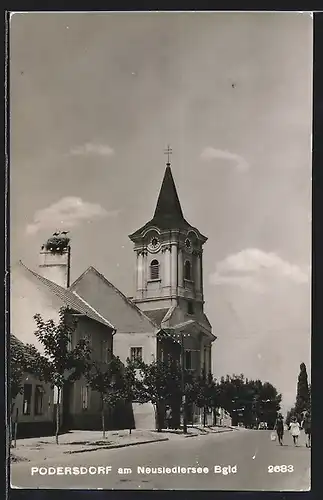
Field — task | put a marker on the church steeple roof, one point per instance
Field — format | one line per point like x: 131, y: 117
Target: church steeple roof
x: 168, y: 205
x: 168, y: 212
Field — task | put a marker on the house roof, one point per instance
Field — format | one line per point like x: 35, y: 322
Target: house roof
x: 17, y: 346
x: 157, y: 315
x: 69, y: 298
x: 94, y: 287
x: 168, y: 213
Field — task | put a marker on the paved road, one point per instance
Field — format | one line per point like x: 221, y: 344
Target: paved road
x: 251, y: 452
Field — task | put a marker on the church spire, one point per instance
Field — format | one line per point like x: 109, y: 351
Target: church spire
x: 168, y: 212
x: 168, y: 204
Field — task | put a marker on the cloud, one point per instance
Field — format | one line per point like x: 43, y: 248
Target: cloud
x: 209, y: 154
x: 66, y: 213
x: 251, y: 267
x: 90, y: 148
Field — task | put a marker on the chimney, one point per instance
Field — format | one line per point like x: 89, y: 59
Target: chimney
x: 55, y: 260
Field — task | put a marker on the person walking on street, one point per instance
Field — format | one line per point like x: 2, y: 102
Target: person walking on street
x: 168, y: 417
x: 295, y: 430
x: 306, y: 425
x: 280, y: 429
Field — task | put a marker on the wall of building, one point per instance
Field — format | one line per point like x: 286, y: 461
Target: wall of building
x: 32, y: 420
x: 122, y: 343
x: 83, y: 405
x: 28, y: 297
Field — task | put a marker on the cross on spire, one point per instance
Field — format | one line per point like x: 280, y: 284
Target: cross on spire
x: 168, y: 152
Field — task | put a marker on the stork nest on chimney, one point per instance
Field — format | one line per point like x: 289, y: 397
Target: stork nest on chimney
x: 57, y: 244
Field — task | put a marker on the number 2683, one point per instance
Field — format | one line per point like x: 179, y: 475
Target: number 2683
x: 280, y: 468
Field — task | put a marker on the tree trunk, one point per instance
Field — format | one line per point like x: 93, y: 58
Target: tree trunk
x: 15, y: 431
x: 58, y: 407
x: 204, y: 416
x: 214, y: 416
x: 103, y: 419
x: 157, y: 416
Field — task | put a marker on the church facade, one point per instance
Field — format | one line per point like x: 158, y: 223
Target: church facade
x: 165, y: 317
x: 169, y: 277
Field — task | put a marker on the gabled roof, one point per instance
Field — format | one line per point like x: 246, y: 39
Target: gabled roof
x: 94, y: 287
x: 168, y: 213
x: 69, y: 298
x: 176, y: 317
x: 17, y: 346
x: 157, y: 315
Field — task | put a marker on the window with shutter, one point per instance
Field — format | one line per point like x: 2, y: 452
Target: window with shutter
x: 154, y: 270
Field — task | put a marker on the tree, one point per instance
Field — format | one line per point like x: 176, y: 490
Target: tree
x: 106, y: 379
x: 160, y: 383
x: 61, y: 363
x: 24, y: 358
x: 309, y: 404
x: 302, y: 398
x: 16, y: 369
x: 131, y: 386
x: 207, y: 395
x: 249, y: 400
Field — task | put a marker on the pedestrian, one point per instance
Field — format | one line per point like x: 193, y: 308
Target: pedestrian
x: 295, y: 430
x: 280, y: 429
x: 306, y: 425
x: 168, y: 417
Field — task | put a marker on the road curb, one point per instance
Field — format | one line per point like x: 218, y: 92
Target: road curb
x: 110, y: 447
x: 221, y: 432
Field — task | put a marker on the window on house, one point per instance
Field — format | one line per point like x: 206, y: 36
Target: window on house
x: 187, y: 270
x: 154, y: 270
x: 55, y: 395
x: 104, y: 351
x: 39, y: 400
x: 188, y: 360
x: 27, y: 399
x: 69, y: 343
x: 136, y: 353
x: 85, y: 396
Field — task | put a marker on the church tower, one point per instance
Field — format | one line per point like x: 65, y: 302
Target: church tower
x: 169, y: 250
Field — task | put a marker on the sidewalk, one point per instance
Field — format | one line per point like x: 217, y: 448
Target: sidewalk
x: 86, y: 441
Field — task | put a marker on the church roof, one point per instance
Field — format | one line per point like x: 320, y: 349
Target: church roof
x: 176, y: 317
x: 157, y: 315
x: 168, y: 213
x: 93, y: 287
x: 68, y: 298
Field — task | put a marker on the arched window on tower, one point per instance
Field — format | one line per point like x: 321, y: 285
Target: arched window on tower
x: 187, y: 270
x: 154, y: 270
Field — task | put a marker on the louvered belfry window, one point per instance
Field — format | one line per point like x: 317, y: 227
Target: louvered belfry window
x: 154, y: 270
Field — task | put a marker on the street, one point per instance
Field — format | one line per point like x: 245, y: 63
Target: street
x: 251, y: 451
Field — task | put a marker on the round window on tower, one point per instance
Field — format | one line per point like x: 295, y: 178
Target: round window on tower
x: 188, y: 243
x: 154, y: 242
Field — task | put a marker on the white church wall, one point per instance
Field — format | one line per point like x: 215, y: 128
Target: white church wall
x: 122, y: 343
